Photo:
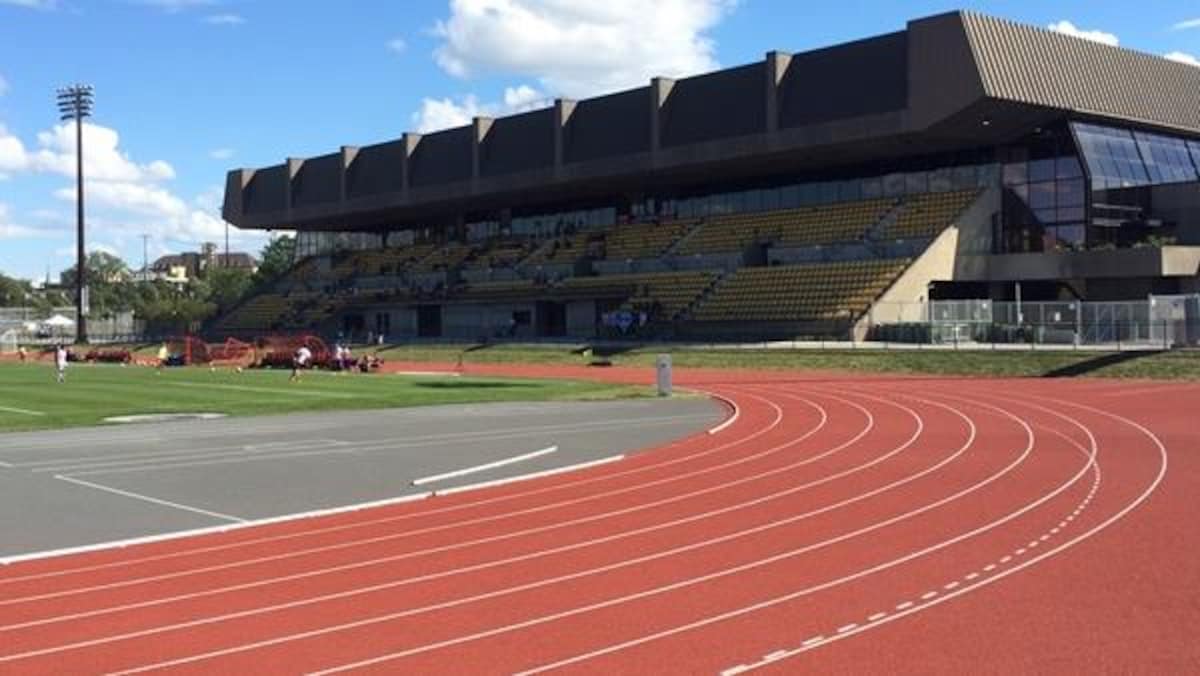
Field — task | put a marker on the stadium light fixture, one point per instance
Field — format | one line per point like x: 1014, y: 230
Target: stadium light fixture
x: 75, y: 103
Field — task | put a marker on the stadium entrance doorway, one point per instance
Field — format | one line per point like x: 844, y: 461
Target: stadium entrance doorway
x: 551, y: 319
x: 429, y: 321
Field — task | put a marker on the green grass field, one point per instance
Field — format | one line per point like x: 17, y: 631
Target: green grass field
x: 1019, y: 363
x: 30, y: 398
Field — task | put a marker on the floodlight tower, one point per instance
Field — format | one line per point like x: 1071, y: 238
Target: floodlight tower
x: 75, y: 103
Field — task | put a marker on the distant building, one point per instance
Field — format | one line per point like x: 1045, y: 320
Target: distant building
x: 179, y: 268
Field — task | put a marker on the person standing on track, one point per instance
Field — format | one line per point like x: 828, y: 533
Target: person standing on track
x: 60, y: 362
x: 299, y: 361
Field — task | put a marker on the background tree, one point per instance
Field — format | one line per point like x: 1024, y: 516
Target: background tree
x: 277, y: 258
x: 14, y: 292
x: 227, y: 286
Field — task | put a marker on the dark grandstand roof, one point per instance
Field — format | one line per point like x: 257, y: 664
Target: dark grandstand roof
x: 950, y: 82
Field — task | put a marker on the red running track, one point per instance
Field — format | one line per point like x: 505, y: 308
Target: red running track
x: 835, y: 524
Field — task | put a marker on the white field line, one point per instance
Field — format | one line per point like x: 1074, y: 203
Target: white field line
x: 527, y: 477
x: 147, y: 498
x: 181, y: 455
x: 403, y: 517
x: 269, y: 390
x: 363, y: 446
x: 21, y: 411
x: 162, y: 537
x: 728, y: 421
x: 484, y: 467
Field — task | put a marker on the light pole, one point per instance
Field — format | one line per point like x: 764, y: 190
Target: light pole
x: 75, y: 103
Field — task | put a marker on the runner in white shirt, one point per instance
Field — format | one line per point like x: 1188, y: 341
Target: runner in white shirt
x: 300, y: 360
x: 60, y: 363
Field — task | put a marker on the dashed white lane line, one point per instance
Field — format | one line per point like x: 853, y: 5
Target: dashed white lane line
x: 950, y: 585
x: 928, y: 595
x: 775, y: 655
x: 813, y: 641
x: 1006, y: 558
x: 989, y: 568
x: 970, y: 576
x: 876, y: 617
x: 904, y: 606
x: 843, y: 629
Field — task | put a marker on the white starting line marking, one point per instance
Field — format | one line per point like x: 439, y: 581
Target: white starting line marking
x: 21, y: 411
x: 147, y: 498
x: 526, y: 477
x: 484, y: 467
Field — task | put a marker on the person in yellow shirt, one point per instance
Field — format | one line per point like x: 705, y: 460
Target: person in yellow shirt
x: 163, y: 355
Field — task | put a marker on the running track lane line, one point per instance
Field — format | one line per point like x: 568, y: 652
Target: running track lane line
x: 147, y: 498
x: 817, y: 641
x: 475, y: 469
x: 611, y: 566
x: 524, y: 557
x: 738, y: 569
x: 395, y: 536
x: 453, y: 508
x: 910, y: 609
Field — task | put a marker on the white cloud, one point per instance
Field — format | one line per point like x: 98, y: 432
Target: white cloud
x: 13, y: 157
x: 1183, y: 57
x: 102, y: 158
x: 225, y: 19
x: 11, y: 230
x: 1067, y: 28
x: 1185, y: 25
x: 580, y: 49
x: 444, y: 113
x: 31, y: 4
x: 221, y: 153
x: 397, y: 45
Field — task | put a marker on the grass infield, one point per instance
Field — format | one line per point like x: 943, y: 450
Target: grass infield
x: 30, y: 399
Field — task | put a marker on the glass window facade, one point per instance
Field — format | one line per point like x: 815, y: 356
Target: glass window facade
x: 1166, y: 158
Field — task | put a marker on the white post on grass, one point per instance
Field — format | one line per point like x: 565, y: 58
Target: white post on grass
x: 663, y: 364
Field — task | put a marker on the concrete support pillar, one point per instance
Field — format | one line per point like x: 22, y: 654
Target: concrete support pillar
x: 348, y: 155
x: 410, y: 141
x: 293, y: 168
x: 236, y: 183
x: 563, y: 109
x: 777, y: 65
x: 660, y: 90
x: 480, y: 127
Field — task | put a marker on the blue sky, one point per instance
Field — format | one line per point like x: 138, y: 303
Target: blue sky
x: 186, y: 89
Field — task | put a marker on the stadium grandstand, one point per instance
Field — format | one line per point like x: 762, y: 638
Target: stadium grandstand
x: 965, y: 157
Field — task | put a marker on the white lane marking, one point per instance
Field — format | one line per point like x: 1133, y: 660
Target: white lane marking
x: 484, y: 467
x: 238, y: 457
x: 1162, y: 450
x: 876, y: 617
x: 5, y: 464
x: 989, y: 568
x: 149, y: 539
x: 488, y: 519
x: 658, y: 590
x: 73, y: 467
x: 353, y: 592
x: 147, y: 498
x: 533, y: 475
x: 950, y: 585
x: 458, y: 507
x: 460, y: 545
x: 1005, y: 559
x: 775, y: 655
x: 904, y: 606
x: 841, y: 630
x: 970, y: 576
x: 814, y: 640
x: 770, y: 602
x: 928, y: 595
x: 737, y: 412
x: 21, y: 411
x: 733, y: 671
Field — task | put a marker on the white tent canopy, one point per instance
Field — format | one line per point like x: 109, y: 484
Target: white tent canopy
x: 59, y: 322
